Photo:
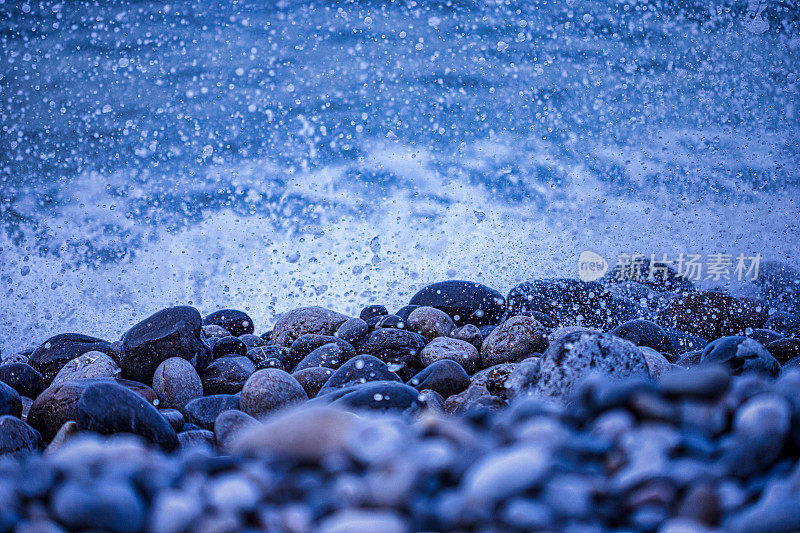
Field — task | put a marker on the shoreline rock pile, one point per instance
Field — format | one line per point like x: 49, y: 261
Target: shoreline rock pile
x: 564, y: 406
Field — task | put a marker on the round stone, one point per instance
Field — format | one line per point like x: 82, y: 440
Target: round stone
x: 469, y: 333
x: 10, y: 401
x: 227, y: 346
x: 56, y: 351
x: 314, y: 320
x: 430, y: 322
x: 109, y: 506
x: 237, y: 322
x: 229, y: 425
x: 269, y: 390
x: 352, y: 330
x: 643, y: 333
x: 712, y: 315
x: 372, y: 311
x: 22, y: 378
x: 312, y: 379
x: 227, y: 375
x: 568, y: 301
x: 465, y: 302
x: 17, y: 438
x: 517, y: 337
x: 176, y: 382
x: 203, y: 411
x: 446, y: 377
x: 399, y: 348
x: 357, y: 370
x: 456, y: 350
x: 89, y: 365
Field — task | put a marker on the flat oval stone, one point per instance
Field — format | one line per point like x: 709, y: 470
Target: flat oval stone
x: 312, y: 379
x: 176, y: 382
x: 192, y: 438
x: 784, y: 349
x: 204, y: 411
x: 469, y: 333
x: 22, y: 378
x: 372, y: 311
x: 89, y: 365
x: 17, y: 438
x: 495, y: 378
x: 358, y: 370
x: 445, y: 377
x: 395, y: 347
x: 466, y: 302
x: 10, y: 401
x: 265, y: 356
x: 171, y: 332
x: 237, y: 322
x: 227, y: 346
x: 377, y: 396
x: 227, y: 375
x: 352, y: 330
x: 56, y: 351
x: 430, y: 322
x: 643, y: 333
x: 443, y: 348
x: 174, y: 417
x: 331, y: 355
x: 269, y: 390
x: 517, y: 337
x: 577, y: 355
x: 252, y: 341
x: 315, y: 320
x: 108, y: 408
x: 364, y: 521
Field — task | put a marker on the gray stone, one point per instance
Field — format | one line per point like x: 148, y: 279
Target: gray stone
x: 315, y: 320
x: 430, y: 322
x: 176, y: 383
x: 269, y: 390
x: 229, y: 425
x: 89, y: 365
x: 517, y: 337
x: 456, y: 350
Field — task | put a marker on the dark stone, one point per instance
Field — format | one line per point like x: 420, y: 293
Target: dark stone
x: 229, y: 346
x: 312, y: 379
x: 268, y: 391
x: 689, y: 359
x: 682, y: 342
x: 237, y: 322
x: 765, y: 336
x: 203, y: 411
x: 406, y: 310
x: 390, y: 321
x: 109, y: 408
x: 360, y: 369
x: 701, y: 382
x: 784, y: 349
x: 304, y: 320
x: 568, y: 301
x: 23, y: 378
x: 330, y: 355
x: 783, y: 322
x: 352, y: 330
x: 229, y: 425
x: 466, y: 302
x: 227, y: 375
x: 663, y: 279
x: 17, y: 438
x: 306, y: 344
x: 779, y: 285
x: 372, y: 311
x: 191, y: 438
x: 740, y: 355
x: 377, y: 396
x: 396, y: 347
x: 112, y: 505
x: 469, y: 333
x: 172, y: 332
x: 543, y: 318
x: 265, y: 356
x: 56, y: 351
x: 174, y: 417
x: 712, y: 315
x: 252, y: 341
x: 176, y: 382
x: 10, y: 402
x: 446, y: 377
x: 644, y: 333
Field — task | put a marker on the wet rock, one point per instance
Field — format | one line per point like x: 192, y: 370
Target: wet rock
x: 469, y: 333
x: 176, y: 382
x: 712, y: 315
x: 19, y: 357
x: 517, y: 337
x: 474, y: 398
x: 681, y: 342
x: 443, y: 348
x: 265, y: 356
x: 657, y: 364
x: 230, y: 425
x: 174, y: 417
x: 312, y: 379
x: 108, y: 408
x: 252, y: 341
x: 229, y: 346
x: 784, y: 349
x: 331, y: 355
x: 269, y: 390
x: 56, y: 351
x: 378, y: 396
x: 390, y: 321
x: 372, y: 311
x: 644, y: 333
x: 785, y: 323
x: 306, y: 344
x: 495, y: 378
x: 523, y: 377
x: 466, y: 302
x: 237, y: 322
x: 364, y: 521
x: 171, y: 332
x: 22, y: 378
x: 111, y: 506
x: 568, y: 301
x: 406, y: 310
x: 88, y: 365
x: 311, y: 433
x: 704, y: 382
x: 352, y: 330
x: 765, y: 336
x: 17, y: 438
x: 395, y: 347
x: 357, y: 370
x: 213, y: 331
x: 64, y: 433
x: 203, y: 411
x: 689, y: 359
x: 431, y: 401
x: 430, y: 322
x: 740, y: 355
x: 314, y: 320
x: 227, y: 375
x: 779, y: 286
x: 577, y: 355
x: 446, y: 377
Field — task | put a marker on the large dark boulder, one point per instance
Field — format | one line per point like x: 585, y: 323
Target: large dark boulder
x: 466, y: 302
x: 57, y: 351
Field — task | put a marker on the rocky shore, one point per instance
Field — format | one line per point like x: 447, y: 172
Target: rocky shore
x: 647, y: 405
